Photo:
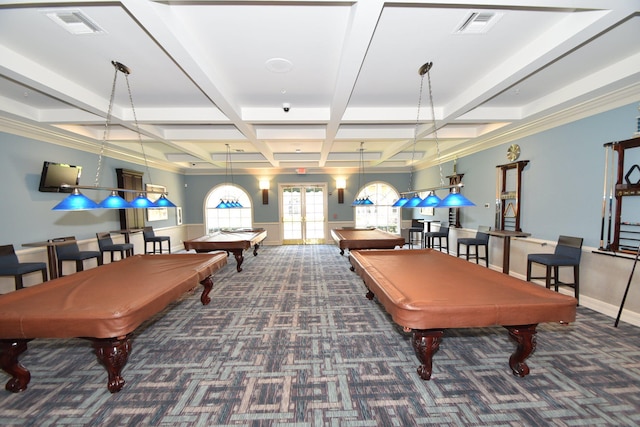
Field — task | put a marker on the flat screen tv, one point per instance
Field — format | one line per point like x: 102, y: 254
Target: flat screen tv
x: 55, y: 174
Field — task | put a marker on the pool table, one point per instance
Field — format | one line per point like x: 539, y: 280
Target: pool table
x: 426, y: 291
x: 104, y: 304
x: 234, y: 241
x: 365, y: 238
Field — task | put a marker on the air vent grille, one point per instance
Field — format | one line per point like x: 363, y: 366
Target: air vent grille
x: 478, y: 22
x: 74, y: 21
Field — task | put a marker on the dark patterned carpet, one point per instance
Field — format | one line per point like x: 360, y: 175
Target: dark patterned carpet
x: 292, y: 341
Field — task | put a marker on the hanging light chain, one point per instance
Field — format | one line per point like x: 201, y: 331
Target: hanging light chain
x: 135, y: 120
x: 415, y: 130
x: 105, y: 134
x: 435, y: 128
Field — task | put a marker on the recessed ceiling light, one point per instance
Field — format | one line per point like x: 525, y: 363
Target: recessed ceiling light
x: 279, y: 65
x: 74, y: 21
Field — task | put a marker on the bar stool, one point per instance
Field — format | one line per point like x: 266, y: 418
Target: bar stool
x: 105, y: 243
x: 567, y: 254
x: 71, y: 252
x: 417, y: 227
x: 481, y: 239
x: 150, y: 237
x: 10, y: 266
x: 431, y: 236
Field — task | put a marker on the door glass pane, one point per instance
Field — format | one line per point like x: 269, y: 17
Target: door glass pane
x: 314, y: 213
x: 292, y: 213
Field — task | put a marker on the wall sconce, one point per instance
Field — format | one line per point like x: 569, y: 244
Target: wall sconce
x: 264, y: 186
x: 341, y: 183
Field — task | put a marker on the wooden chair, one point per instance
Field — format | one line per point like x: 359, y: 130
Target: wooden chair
x: 567, y: 254
x: 10, y: 266
x: 481, y: 239
x: 150, y: 237
x: 431, y: 236
x: 105, y: 243
x: 71, y: 252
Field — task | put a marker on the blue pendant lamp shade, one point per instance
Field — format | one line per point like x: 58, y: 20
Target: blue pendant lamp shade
x: 114, y: 201
x: 76, y: 201
x: 431, y: 201
x: 400, y: 202
x: 413, y: 202
x: 163, y: 202
x: 455, y: 200
x: 142, y: 202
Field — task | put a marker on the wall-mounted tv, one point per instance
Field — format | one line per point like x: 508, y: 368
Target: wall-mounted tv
x: 55, y: 174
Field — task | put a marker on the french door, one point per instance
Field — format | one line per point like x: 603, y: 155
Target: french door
x: 303, y: 208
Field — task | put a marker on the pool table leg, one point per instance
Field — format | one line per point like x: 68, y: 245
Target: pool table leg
x: 255, y: 249
x: 113, y: 354
x: 208, y: 286
x: 237, y: 253
x: 525, y: 337
x: 10, y: 350
x: 425, y: 343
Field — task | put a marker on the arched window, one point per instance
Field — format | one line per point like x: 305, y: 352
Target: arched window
x: 380, y: 215
x: 220, y: 219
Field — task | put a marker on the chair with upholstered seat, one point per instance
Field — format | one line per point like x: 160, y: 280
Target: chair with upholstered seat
x: 431, y: 236
x: 417, y: 227
x: 71, y: 252
x: 10, y: 266
x: 480, y: 240
x: 150, y: 237
x: 567, y: 254
x: 105, y: 243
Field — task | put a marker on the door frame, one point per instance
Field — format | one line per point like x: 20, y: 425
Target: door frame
x: 325, y: 203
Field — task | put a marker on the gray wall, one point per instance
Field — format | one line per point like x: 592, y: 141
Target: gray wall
x: 26, y: 212
x: 562, y: 186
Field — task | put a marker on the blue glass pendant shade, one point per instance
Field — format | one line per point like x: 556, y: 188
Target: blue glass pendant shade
x: 400, y: 202
x: 76, y: 201
x: 430, y: 201
x: 114, y: 201
x: 455, y: 200
x: 142, y: 202
x: 413, y: 202
x: 163, y: 202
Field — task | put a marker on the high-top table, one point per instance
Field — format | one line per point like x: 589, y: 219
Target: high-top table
x: 506, y: 247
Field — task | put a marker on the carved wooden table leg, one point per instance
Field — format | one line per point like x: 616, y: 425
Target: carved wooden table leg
x: 370, y: 295
x: 239, y: 259
x: 10, y: 350
x: 425, y: 343
x: 255, y: 249
x: 341, y: 251
x: 113, y: 354
x: 525, y: 337
x: 208, y: 285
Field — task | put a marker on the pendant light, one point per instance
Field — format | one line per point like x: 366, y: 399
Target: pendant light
x: 366, y: 201
x: 230, y: 201
x: 76, y: 201
x: 454, y: 199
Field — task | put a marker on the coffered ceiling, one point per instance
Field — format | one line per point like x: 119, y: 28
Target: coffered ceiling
x: 207, y: 75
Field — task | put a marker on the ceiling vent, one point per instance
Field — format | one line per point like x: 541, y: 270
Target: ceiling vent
x: 478, y: 22
x: 74, y: 21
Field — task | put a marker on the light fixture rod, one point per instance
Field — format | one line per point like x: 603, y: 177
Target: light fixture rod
x: 440, y: 187
x: 126, y: 190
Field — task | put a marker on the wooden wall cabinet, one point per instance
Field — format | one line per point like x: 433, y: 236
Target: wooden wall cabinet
x: 508, y: 197
x: 130, y: 180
